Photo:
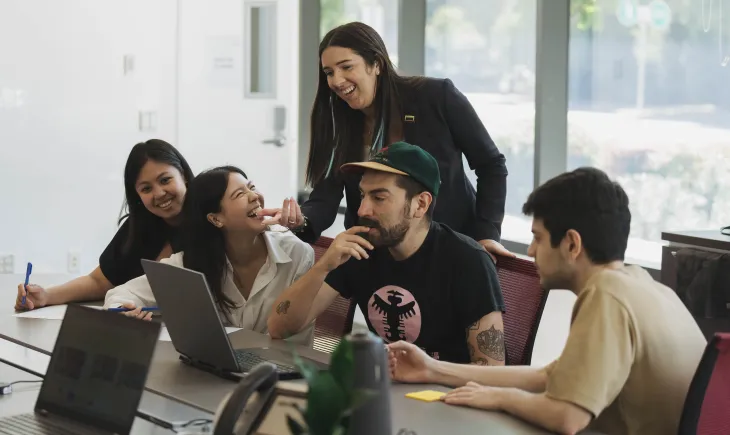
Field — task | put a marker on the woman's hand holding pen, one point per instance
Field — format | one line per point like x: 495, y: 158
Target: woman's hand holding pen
x: 136, y: 312
x: 35, y: 297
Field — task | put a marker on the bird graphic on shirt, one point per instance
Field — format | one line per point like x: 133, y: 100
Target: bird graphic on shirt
x: 393, y: 314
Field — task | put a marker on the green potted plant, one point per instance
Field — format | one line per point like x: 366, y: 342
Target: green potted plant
x: 331, y: 396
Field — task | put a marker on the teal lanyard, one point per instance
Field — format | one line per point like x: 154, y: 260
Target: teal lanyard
x: 377, y: 144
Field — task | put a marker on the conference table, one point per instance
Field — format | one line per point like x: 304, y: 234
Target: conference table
x: 202, y: 392
x: 24, y: 395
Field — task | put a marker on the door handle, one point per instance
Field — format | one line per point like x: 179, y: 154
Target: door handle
x: 279, y: 141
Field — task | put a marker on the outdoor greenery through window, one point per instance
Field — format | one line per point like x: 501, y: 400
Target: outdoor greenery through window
x: 647, y: 92
x: 650, y: 104
x: 487, y: 48
x: 381, y: 15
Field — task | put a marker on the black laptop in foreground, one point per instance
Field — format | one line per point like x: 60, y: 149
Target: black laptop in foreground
x: 96, y: 376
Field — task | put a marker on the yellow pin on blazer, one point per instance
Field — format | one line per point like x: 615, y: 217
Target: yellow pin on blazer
x: 409, y: 118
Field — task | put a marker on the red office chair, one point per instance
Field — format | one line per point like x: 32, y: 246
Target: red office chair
x: 524, y: 301
x: 707, y: 406
x: 336, y: 320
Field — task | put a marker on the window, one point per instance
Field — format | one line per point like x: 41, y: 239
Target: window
x: 260, y: 22
x: 381, y: 15
x: 650, y: 105
x: 487, y: 48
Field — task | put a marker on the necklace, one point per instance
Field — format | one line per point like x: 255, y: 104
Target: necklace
x: 237, y: 279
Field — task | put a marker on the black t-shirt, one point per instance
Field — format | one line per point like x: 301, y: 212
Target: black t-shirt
x: 428, y: 299
x: 119, y: 265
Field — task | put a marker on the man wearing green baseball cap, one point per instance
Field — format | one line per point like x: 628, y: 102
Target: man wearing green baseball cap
x: 414, y: 279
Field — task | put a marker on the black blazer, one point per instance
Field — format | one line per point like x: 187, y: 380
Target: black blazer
x: 446, y: 125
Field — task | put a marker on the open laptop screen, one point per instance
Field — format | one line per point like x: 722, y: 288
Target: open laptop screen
x: 98, y: 368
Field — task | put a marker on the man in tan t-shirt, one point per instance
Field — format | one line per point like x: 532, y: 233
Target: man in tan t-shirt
x: 633, y: 347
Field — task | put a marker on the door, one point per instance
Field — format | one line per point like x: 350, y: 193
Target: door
x: 238, y: 88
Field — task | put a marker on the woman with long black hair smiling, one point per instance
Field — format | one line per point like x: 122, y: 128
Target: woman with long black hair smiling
x: 245, y: 264
x: 155, y: 181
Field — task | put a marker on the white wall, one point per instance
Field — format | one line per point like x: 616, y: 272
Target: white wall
x: 64, y: 142
x: 69, y: 114
x: 218, y: 125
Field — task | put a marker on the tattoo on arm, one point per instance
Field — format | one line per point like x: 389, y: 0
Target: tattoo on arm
x: 491, y: 343
x: 471, y: 349
x: 283, y: 307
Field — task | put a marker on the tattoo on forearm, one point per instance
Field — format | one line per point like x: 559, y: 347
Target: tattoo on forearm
x: 491, y: 343
x: 471, y: 349
x: 283, y: 307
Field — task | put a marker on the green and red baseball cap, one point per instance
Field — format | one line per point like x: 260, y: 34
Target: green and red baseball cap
x: 403, y: 158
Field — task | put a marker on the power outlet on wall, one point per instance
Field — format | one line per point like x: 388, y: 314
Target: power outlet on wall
x: 7, y: 263
x: 74, y: 258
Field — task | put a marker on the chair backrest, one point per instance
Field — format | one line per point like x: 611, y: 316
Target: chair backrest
x: 707, y: 406
x: 336, y: 320
x: 524, y: 301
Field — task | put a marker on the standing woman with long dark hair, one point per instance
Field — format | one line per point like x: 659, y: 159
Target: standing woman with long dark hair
x: 361, y: 106
x: 155, y: 180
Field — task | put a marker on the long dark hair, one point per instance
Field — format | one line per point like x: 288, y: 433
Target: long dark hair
x: 204, y: 243
x: 336, y: 130
x: 142, y: 222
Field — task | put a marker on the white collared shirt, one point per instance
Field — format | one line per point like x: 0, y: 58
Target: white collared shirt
x: 288, y: 259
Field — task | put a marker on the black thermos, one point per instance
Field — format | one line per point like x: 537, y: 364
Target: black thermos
x: 371, y: 372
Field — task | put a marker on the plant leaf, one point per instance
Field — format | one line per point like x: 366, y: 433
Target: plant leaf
x: 326, y: 402
x: 308, y: 370
x: 358, y: 398
x: 294, y: 426
x: 362, y: 395
x: 342, y: 366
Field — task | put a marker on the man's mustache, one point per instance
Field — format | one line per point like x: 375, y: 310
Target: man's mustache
x: 368, y: 223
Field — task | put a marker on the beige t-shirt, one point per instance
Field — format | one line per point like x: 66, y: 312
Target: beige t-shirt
x: 632, y: 351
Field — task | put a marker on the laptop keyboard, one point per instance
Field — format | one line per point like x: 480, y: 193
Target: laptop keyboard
x: 247, y: 361
x: 34, y: 424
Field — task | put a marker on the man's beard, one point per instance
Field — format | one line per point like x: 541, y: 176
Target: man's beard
x: 387, y: 237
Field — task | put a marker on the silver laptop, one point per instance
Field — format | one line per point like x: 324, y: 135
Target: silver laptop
x: 197, y: 332
x: 96, y: 376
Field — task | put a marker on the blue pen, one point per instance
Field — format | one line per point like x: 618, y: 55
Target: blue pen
x: 27, y: 278
x: 122, y: 309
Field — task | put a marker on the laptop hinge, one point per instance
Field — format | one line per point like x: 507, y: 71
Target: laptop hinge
x: 225, y: 374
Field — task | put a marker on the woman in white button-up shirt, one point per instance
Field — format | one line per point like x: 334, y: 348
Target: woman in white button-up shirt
x: 245, y: 264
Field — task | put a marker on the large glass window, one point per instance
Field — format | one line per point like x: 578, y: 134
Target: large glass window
x: 381, y: 15
x: 487, y: 48
x: 650, y: 104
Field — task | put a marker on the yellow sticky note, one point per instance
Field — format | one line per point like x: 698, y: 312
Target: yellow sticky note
x: 426, y: 396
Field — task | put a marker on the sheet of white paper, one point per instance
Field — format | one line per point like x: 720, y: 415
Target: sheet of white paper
x: 54, y: 312
x: 165, y: 336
